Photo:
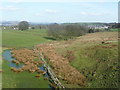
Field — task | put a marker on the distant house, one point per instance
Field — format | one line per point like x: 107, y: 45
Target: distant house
x: 4, y: 28
x: 29, y: 27
x: 98, y: 27
x: 15, y: 28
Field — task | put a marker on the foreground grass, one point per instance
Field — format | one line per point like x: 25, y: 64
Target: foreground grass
x: 89, y: 56
x: 97, y: 61
x: 0, y: 67
x: 20, y: 39
x: 21, y: 80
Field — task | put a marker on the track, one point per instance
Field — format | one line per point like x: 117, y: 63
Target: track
x: 50, y: 72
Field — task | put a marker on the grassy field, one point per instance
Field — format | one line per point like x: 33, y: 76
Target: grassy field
x: 20, y: 39
x: 90, y: 55
x: 0, y: 67
x: 114, y: 30
x: 0, y: 58
x: 21, y: 80
x: 97, y: 61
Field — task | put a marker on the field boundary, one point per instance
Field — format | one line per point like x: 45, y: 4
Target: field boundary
x: 49, y: 70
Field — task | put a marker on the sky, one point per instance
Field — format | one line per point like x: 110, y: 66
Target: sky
x: 59, y: 11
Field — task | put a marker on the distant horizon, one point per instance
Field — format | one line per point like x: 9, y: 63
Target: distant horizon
x: 59, y: 22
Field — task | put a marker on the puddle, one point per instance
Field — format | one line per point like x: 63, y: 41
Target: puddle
x: 8, y: 56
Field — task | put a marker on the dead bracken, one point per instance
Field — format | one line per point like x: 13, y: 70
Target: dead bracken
x: 27, y: 57
x: 61, y: 66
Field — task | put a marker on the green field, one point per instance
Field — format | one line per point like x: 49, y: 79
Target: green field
x: 93, y: 57
x: 87, y: 51
x: 21, y: 80
x: 114, y: 30
x: 0, y: 58
x: 20, y: 39
x: 86, y: 62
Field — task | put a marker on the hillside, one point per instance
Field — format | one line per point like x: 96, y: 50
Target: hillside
x: 94, y: 55
x: 89, y: 61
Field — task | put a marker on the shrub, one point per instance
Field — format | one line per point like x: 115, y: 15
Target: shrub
x: 61, y: 31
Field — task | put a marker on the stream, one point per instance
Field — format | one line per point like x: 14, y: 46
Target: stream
x: 8, y: 56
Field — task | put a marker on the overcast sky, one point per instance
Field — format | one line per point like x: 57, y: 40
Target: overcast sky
x: 60, y: 11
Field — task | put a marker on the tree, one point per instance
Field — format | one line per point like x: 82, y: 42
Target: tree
x: 62, y: 31
x: 23, y: 25
x: 75, y: 30
x: 54, y: 30
x: 32, y: 27
x: 91, y: 31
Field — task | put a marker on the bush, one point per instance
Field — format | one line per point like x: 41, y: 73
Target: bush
x: 65, y: 32
x: 32, y: 27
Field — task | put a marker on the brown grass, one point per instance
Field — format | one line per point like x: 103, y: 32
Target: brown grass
x: 61, y: 66
x: 27, y: 57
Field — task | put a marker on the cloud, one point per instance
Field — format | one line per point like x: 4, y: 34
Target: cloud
x: 91, y: 13
x: 50, y: 11
x: 83, y: 13
x: 96, y: 14
x: 11, y: 8
x: 39, y: 14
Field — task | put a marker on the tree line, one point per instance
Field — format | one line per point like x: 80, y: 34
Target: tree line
x: 69, y: 31
x: 62, y: 31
